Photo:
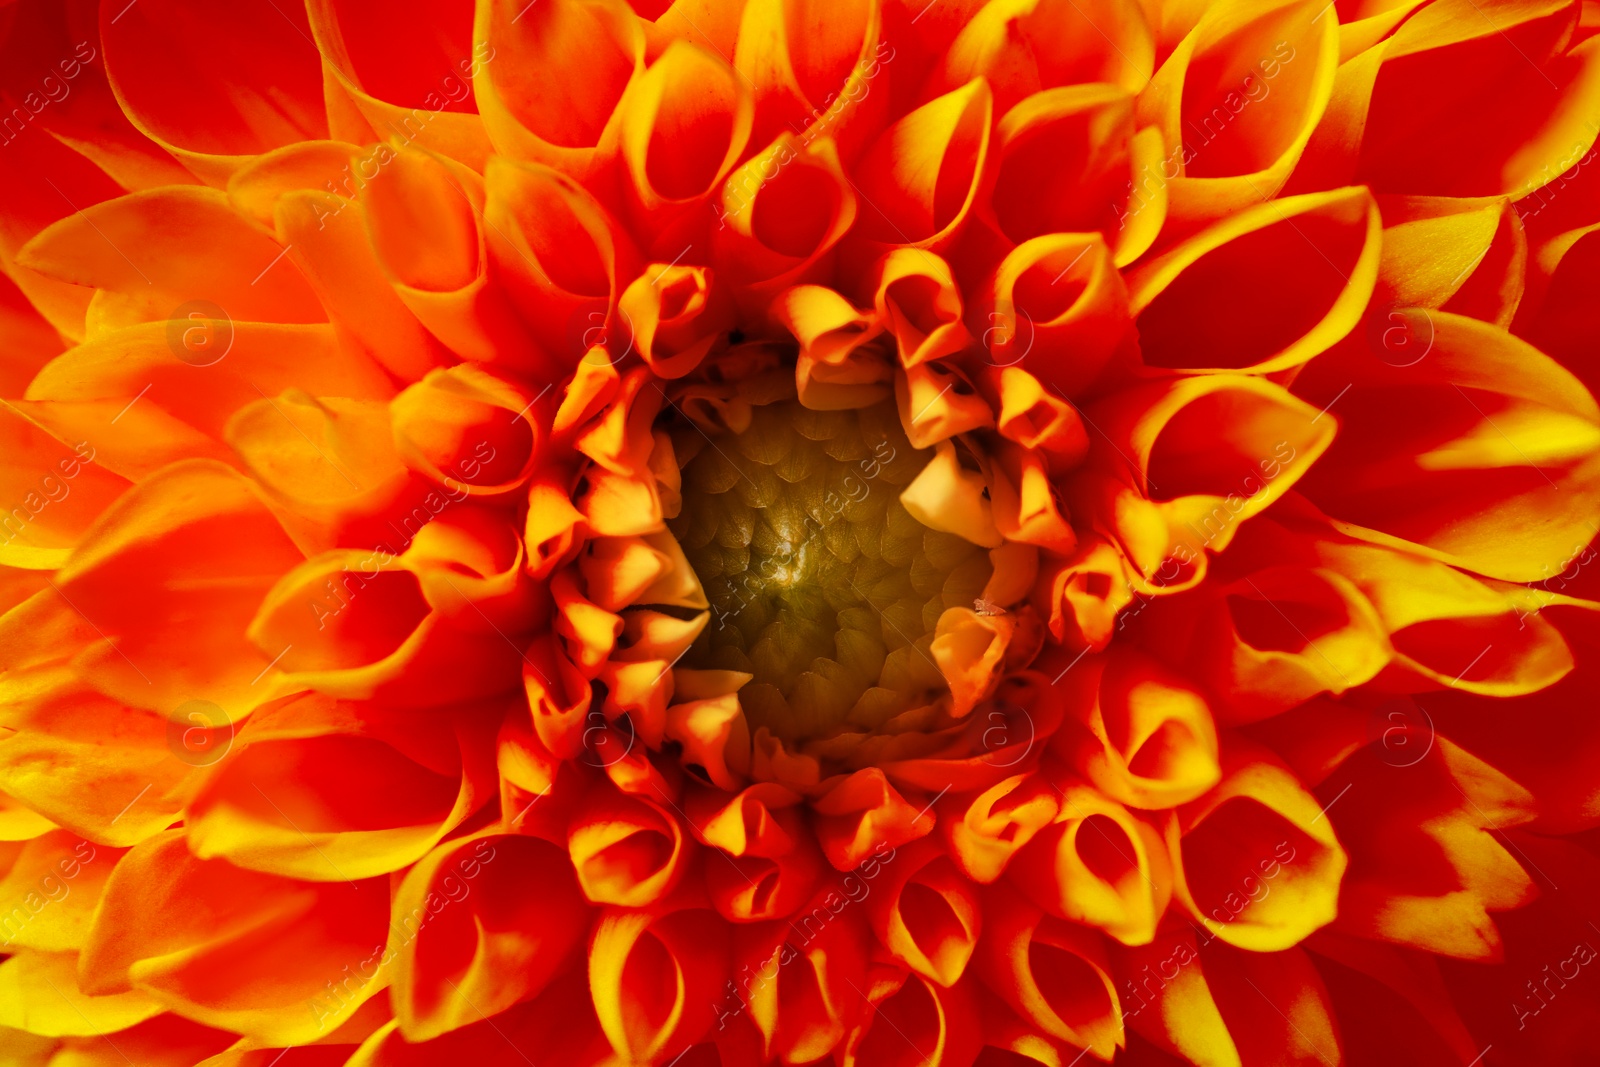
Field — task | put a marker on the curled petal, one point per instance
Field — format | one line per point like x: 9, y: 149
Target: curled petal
x: 1208, y: 453
x: 1056, y: 307
x: 1087, y: 591
x: 937, y: 402
x: 1237, y: 101
x: 304, y: 195
x: 654, y: 978
x: 467, y: 430
x: 1278, y: 637
x: 926, y: 914
x: 864, y: 814
x: 479, y: 925
x: 983, y: 832
x: 1054, y: 974
x: 363, y: 624
x: 422, y: 216
x: 781, y: 214
x: 804, y: 979
x: 923, y: 173
x: 1255, y: 860
x: 407, y: 68
x: 1148, y: 738
x: 918, y: 302
x: 1305, y: 266
x: 970, y: 650
x: 677, y: 314
x: 814, y: 67
x: 560, y: 71
x: 914, y: 1023
x: 683, y: 126
x: 1060, y: 43
x: 561, y: 260
x: 1068, y: 160
x: 628, y: 851
x: 1097, y: 864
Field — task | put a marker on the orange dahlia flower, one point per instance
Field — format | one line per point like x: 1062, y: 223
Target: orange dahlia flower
x: 735, y: 532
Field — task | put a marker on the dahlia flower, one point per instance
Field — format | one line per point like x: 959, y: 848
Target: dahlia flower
x: 743, y: 532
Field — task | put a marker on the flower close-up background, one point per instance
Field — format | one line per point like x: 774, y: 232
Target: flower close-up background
x: 743, y: 532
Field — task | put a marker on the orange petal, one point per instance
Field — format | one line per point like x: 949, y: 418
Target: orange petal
x: 628, y: 851
x: 479, y: 925
x: 1054, y: 974
x: 468, y: 430
x: 560, y: 70
x: 1308, y: 265
x: 1097, y: 864
x: 327, y: 792
x: 1060, y: 43
x: 926, y: 914
x: 250, y: 81
x: 982, y: 833
x: 1257, y: 863
x: 921, y: 177
x: 175, y: 927
x: 864, y: 814
x: 1508, y: 434
x: 1149, y: 740
x: 1056, y: 307
x: 407, y: 69
x: 1237, y: 101
x: 654, y: 977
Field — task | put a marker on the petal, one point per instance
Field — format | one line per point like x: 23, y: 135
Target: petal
x: 250, y: 81
x: 1097, y: 864
x: 926, y: 914
x: 653, y: 978
x: 1054, y: 974
x: 63, y: 1011
x: 408, y: 70
x: 684, y: 125
x: 923, y: 173
x: 628, y: 851
x: 1308, y: 265
x: 1023, y: 46
x: 1499, y: 475
x: 164, y: 250
x: 1148, y: 738
x: 1257, y: 864
x: 468, y: 429
x: 175, y: 928
x: 982, y: 833
x: 479, y: 925
x: 326, y: 792
x: 863, y: 814
x: 1447, y: 62
x: 1237, y: 101
x: 1064, y: 334
x: 560, y: 71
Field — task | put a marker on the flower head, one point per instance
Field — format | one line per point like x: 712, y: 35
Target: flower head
x: 757, y: 531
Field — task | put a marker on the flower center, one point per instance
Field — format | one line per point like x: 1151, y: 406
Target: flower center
x: 822, y: 586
